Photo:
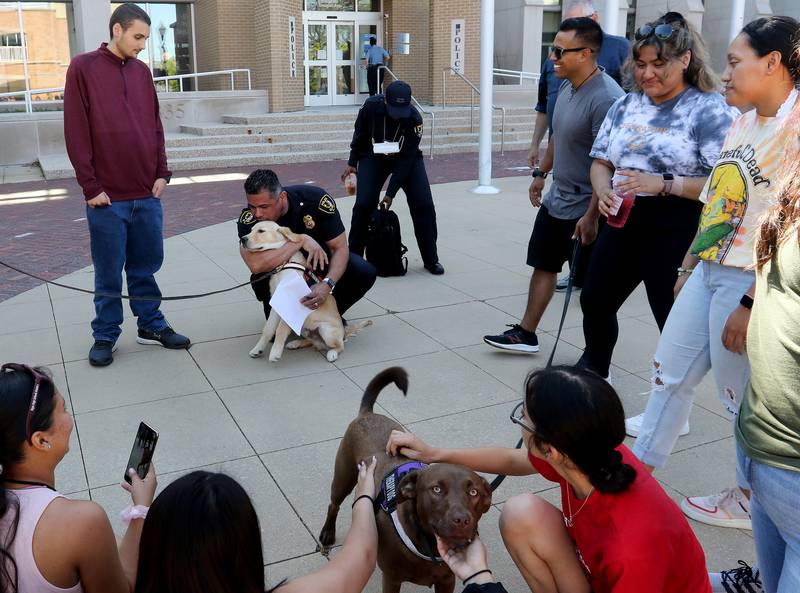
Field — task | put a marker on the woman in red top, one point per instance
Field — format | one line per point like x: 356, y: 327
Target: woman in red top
x: 617, y: 530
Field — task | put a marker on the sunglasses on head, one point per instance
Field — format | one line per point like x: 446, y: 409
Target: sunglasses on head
x: 560, y: 51
x: 38, y: 378
x: 663, y: 31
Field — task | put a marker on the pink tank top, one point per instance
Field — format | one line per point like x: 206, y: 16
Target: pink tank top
x: 32, y: 503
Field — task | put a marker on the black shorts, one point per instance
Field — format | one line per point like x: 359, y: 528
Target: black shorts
x: 551, y: 245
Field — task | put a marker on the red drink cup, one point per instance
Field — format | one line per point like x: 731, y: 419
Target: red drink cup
x: 350, y: 183
x: 623, y: 210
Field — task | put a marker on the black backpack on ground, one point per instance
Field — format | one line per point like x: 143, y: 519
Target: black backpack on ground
x: 385, y: 249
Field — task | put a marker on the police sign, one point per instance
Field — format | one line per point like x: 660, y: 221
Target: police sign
x: 292, y: 48
x: 457, y: 47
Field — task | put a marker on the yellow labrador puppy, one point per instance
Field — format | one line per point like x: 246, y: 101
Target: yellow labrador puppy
x: 323, y: 327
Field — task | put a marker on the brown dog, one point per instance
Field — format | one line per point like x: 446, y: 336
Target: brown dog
x: 441, y: 499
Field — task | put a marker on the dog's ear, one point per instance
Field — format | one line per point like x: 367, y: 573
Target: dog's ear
x: 485, y: 496
x: 287, y: 232
x: 408, y: 487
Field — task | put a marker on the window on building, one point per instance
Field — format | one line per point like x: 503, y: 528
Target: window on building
x: 35, y: 51
x: 550, y: 24
x: 630, y: 25
x: 344, y: 5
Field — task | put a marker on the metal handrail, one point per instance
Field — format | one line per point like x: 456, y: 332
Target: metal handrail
x: 519, y: 74
x: 416, y: 104
x: 473, y: 90
x: 181, y: 77
x: 29, y: 93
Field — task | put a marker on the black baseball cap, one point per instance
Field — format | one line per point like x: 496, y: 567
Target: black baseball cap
x: 398, y: 100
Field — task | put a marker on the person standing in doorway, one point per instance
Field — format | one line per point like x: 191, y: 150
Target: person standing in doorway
x: 375, y: 58
x: 115, y: 142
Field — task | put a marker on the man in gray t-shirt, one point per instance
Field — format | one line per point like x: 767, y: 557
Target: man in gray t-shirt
x: 568, y: 213
x: 375, y: 57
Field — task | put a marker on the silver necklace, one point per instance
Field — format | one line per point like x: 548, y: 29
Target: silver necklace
x: 569, y: 521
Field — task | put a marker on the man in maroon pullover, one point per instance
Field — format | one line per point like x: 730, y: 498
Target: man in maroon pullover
x: 116, y: 144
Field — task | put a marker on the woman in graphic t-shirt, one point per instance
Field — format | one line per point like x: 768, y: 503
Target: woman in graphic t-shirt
x: 658, y: 143
x: 707, y: 327
x: 617, y: 530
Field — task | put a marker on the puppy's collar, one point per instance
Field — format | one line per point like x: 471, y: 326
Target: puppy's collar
x: 401, y: 533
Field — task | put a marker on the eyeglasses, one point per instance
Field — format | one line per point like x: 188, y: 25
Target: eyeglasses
x: 37, y: 381
x: 518, y: 417
x: 663, y: 31
x: 558, y: 52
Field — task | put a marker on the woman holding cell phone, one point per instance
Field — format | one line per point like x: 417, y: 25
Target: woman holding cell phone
x: 652, y: 155
x: 49, y: 544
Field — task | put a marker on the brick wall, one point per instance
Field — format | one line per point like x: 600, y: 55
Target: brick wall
x: 411, y: 16
x: 272, y: 53
x: 442, y: 13
x: 225, y: 39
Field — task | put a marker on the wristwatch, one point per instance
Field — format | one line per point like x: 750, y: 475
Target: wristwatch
x: 746, y: 301
x: 668, y: 179
x: 537, y: 172
x: 330, y: 283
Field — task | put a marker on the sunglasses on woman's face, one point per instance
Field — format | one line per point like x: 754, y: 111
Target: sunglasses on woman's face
x: 663, y: 31
x: 37, y: 382
x: 518, y: 417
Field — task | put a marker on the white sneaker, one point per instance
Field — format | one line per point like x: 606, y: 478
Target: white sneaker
x: 729, y: 508
x: 633, y: 426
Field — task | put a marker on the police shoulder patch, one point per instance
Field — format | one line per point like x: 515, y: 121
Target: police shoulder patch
x: 418, y: 130
x: 247, y: 217
x: 327, y: 205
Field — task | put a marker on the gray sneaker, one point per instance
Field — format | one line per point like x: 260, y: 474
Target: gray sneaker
x: 562, y: 284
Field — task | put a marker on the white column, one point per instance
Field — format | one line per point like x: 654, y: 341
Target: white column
x: 91, y: 23
x: 485, y: 132
x: 737, y: 18
x: 610, y: 15
x: 532, y: 25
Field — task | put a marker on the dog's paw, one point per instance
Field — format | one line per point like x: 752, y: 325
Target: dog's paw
x: 274, y: 357
x: 256, y: 352
x: 332, y: 355
x: 327, y: 537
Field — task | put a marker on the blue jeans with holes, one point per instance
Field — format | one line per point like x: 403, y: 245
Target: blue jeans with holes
x: 690, y: 346
x: 774, y: 502
x: 126, y: 235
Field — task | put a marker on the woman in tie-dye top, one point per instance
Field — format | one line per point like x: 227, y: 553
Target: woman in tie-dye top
x: 707, y: 327
x: 659, y: 142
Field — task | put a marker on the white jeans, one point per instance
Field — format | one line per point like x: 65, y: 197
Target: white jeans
x: 690, y: 346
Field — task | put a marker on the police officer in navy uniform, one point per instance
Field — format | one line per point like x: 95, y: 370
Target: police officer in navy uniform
x: 311, y: 213
x: 382, y: 121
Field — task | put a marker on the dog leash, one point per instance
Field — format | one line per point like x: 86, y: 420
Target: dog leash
x: 184, y: 297
x: 567, y: 294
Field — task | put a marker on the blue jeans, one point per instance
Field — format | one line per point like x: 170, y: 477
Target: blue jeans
x: 126, y: 235
x: 690, y: 346
x: 774, y: 502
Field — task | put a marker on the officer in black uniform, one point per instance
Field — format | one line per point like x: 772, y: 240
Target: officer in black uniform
x: 310, y: 212
x: 382, y: 122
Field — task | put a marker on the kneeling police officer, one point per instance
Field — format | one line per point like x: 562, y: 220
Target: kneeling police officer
x: 386, y: 142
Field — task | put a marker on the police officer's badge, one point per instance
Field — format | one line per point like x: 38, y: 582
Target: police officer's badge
x: 327, y: 205
x: 246, y: 217
x: 309, y: 222
x: 418, y: 130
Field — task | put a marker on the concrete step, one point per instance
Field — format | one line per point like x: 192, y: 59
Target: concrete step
x: 300, y: 144
x: 455, y: 125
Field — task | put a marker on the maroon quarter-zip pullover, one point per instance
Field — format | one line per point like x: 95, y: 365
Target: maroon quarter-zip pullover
x: 112, y: 127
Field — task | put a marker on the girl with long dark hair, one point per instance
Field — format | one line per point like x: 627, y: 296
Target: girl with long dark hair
x: 617, y: 530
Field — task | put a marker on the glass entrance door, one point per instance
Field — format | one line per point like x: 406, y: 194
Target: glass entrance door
x: 331, y: 56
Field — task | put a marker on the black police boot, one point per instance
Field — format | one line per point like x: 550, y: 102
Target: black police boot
x: 436, y: 269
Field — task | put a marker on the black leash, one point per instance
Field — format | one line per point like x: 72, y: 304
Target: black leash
x: 568, y: 293
x: 184, y: 297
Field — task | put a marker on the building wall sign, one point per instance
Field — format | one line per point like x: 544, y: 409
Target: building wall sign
x: 457, y: 28
x: 292, y: 47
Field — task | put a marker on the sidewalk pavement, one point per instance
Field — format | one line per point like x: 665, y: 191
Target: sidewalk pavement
x: 275, y: 427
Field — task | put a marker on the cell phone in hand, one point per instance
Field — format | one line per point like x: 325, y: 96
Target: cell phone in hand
x: 142, y: 452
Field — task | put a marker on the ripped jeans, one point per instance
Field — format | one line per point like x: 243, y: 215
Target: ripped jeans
x: 690, y: 346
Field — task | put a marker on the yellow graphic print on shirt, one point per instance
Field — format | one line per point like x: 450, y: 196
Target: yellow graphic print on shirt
x: 723, y: 213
